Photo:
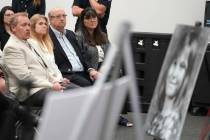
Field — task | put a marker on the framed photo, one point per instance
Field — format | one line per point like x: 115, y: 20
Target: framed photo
x: 176, y: 82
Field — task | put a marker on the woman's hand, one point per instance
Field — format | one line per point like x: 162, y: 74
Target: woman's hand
x: 93, y: 74
x: 65, y: 82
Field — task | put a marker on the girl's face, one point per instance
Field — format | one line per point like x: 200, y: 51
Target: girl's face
x: 91, y: 22
x: 7, y: 16
x: 176, y: 74
x: 41, y: 27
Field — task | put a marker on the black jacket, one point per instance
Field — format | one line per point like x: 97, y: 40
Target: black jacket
x: 4, y: 36
x: 27, y: 5
x: 60, y: 56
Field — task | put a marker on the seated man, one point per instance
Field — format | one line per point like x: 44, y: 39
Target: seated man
x: 68, y: 57
x: 7, y: 115
x: 25, y: 64
x: 11, y: 111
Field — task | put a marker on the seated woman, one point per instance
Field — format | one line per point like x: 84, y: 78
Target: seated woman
x: 94, y: 43
x: 41, y: 41
x: 5, y: 15
x: 92, y: 40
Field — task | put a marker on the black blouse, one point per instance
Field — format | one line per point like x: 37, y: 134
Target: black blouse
x: 4, y: 36
x: 27, y: 6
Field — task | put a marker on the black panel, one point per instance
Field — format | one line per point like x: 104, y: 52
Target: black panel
x: 207, y: 14
x: 201, y: 95
x: 149, y: 51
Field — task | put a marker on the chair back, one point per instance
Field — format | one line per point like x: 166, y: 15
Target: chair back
x: 4, y: 72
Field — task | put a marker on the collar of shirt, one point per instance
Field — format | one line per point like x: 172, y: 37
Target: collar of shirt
x: 58, y: 34
x: 17, y: 39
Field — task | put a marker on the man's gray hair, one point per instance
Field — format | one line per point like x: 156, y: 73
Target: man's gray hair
x: 14, y: 19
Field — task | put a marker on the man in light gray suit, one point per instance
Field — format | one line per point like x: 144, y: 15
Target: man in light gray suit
x: 25, y: 64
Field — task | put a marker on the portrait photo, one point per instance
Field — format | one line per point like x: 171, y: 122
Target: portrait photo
x: 176, y: 82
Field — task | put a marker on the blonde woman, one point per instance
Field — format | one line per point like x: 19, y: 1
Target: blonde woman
x: 41, y: 41
x: 30, y: 6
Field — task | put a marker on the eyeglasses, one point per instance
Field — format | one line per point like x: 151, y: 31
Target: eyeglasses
x: 7, y: 15
x: 59, y: 16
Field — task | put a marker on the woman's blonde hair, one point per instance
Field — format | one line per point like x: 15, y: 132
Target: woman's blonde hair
x: 46, y: 38
x: 36, y: 2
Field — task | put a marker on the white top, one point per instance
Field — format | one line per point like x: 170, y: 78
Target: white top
x: 49, y: 59
x: 100, y: 53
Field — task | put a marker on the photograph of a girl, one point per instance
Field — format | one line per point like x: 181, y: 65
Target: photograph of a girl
x: 176, y: 82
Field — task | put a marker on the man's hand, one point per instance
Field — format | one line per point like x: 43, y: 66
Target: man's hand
x: 100, y: 8
x: 76, y: 10
x: 57, y: 87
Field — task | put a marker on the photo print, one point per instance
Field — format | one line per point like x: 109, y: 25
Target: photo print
x: 176, y: 82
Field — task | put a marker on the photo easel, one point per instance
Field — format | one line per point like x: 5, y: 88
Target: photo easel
x: 122, y: 51
x: 92, y: 113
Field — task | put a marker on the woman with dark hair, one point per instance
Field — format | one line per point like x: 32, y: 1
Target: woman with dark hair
x: 94, y: 44
x: 167, y: 120
x: 92, y: 40
x: 5, y: 15
x: 30, y: 6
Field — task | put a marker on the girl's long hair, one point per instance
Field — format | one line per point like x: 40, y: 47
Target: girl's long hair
x: 186, y: 40
x: 98, y: 37
x: 46, y: 38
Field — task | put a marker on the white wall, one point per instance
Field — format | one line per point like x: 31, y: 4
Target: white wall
x: 156, y: 15
x: 145, y: 15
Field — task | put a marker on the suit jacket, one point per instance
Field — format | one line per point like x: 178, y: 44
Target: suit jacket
x: 24, y: 65
x: 60, y: 56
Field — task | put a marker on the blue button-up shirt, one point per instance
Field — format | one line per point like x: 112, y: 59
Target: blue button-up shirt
x: 69, y: 50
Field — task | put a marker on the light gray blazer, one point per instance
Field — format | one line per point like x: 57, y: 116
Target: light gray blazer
x: 23, y: 64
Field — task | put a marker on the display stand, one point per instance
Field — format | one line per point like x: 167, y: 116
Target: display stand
x: 92, y: 113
